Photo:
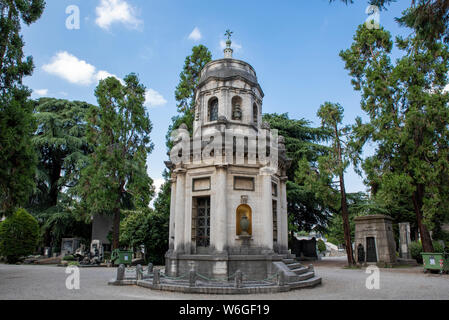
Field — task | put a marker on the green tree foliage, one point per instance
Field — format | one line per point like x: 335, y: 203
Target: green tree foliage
x: 429, y: 18
x: 306, y: 207
x: 17, y: 157
x: 185, y: 91
x: 18, y: 236
x: 359, y: 204
x: 185, y: 97
x: 62, y: 149
x: 190, y: 76
x: 61, y: 222
x: 149, y: 228
x: 335, y: 163
x: 119, y: 130
x: 409, y: 113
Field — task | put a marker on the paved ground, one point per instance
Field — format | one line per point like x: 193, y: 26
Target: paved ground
x: 48, y: 282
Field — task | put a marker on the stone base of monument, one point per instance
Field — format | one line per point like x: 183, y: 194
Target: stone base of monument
x: 285, y: 274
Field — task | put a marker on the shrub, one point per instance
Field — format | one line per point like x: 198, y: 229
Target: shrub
x: 18, y: 236
x: 438, y: 247
x: 321, y: 246
x: 416, y: 249
x: 69, y: 258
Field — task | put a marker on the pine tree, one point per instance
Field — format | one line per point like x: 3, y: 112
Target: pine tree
x: 429, y: 18
x: 409, y: 120
x: 17, y: 157
x: 184, y: 94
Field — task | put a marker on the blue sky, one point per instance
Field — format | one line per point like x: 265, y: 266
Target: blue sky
x: 293, y: 45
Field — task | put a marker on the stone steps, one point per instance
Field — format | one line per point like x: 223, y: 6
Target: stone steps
x: 301, y: 270
x: 295, y: 265
x: 305, y: 283
x: 288, y: 261
x: 306, y: 276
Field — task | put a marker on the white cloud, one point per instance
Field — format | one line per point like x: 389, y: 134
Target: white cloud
x: 234, y: 45
x: 116, y: 11
x: 101, y: 75
x: 70, y: 68
x: 154, y: 98
x: 41, y: 92
x: 158, y: 184
x: 74, y: 70
x: 195, y: 35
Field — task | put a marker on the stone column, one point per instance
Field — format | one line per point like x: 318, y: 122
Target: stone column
x: 404, y: 240
x: 219, y: 219
x: 284, y: 215
x: 180, y: 210
x: 171, y: 240
x: 267, y: 209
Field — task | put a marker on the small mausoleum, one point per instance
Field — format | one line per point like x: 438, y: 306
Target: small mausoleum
x: 374, y: 239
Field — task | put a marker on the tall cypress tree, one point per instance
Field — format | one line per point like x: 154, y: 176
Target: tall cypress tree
x: 17, y: 156
x: 184, y: 94
x: 119, y: 131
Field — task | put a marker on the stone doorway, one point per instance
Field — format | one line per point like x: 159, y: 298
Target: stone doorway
x: 203, y: 223
x: 371, y: 255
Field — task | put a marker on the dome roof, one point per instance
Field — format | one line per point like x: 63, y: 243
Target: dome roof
x: 228, y: 68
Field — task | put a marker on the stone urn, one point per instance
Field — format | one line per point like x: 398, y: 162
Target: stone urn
x: 244, y: 225
x: 237, y: 115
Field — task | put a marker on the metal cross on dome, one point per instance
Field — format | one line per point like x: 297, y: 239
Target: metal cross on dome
x: 229, y: 34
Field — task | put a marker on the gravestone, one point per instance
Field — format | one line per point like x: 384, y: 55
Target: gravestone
x: 121, y: 272
x: 404, y: 240
x: 156, y: 277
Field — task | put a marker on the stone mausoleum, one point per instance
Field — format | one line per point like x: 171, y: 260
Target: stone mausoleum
x: 374, y: 239
x: 228, y: 213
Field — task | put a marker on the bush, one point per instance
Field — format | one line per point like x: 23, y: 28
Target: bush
x: 68, y: 258
x: 18, y: 236
x: 321, y: 246
x: 416, y: 249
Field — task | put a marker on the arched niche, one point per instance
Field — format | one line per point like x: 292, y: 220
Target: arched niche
x: 237, y: 111
x: 255, y: 114
x: 244, y: 210
x: 212, y: 109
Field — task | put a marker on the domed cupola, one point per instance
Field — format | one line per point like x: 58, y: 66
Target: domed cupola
x: 228, y: 91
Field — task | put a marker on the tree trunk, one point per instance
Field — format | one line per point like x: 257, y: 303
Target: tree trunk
x: 426, y: 240
x: 344, y: 203
x: 346, y: 225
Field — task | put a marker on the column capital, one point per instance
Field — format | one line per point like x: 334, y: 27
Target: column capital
x: 179, y: 171
x: 222, y: 166
x: 267, y: 171
x: 283, y: 179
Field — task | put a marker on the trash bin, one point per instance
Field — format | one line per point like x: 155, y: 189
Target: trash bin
x: 121, y: 257
x: 436, y: 261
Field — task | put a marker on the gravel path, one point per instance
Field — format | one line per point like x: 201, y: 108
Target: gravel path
x: 48, y: 282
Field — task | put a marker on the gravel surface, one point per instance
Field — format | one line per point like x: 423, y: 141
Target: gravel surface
x: 48, y: 282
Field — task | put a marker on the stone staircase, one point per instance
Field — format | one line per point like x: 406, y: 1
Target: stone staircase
x: 296, y: 275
